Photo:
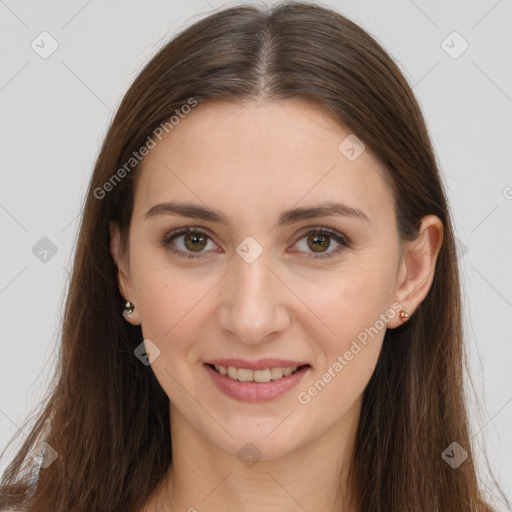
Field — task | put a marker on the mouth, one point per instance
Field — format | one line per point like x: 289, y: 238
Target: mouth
x: 257, y: 376
x: 247, y: 385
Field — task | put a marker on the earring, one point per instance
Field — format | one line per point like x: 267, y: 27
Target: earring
x: 404, y: 316
x: 128, y: 308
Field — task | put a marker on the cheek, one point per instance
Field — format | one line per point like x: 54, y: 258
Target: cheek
x: 348, y: 326
x: 172, y: 313
x: 347, y: 301
x: 346, y: 359
x: 171, y: 302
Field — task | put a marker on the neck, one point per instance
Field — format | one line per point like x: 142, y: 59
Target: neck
x: 205, y: 478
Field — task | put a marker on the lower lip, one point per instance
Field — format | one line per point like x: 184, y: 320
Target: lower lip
x: 255, y: 391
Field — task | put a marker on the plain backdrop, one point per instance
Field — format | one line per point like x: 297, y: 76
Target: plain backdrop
x: 55, y: 110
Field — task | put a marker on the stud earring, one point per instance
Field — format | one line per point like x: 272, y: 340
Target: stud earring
x: 128, y: 308
x: 404, y: 316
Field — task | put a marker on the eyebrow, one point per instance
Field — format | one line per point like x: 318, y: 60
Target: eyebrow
x: 191, y: 210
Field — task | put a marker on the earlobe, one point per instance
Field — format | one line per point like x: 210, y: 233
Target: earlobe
x: 128, y: 308
x: 128, y: 311
x: 417, y: 268
x: 404, y: 316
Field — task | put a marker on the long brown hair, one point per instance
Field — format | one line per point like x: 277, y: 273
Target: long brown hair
x: 106, y: 415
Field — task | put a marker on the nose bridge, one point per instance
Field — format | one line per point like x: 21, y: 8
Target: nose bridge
x: 252, y: 304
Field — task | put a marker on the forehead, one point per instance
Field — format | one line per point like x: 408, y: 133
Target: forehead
x: 261, y: 155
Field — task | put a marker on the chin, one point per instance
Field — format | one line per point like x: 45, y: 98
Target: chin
x: 266, y: 439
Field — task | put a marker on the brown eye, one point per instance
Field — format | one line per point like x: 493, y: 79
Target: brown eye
x: 189, y: 243
x: 319, y: 243
x: 195, y: 241
x: 322, y: 243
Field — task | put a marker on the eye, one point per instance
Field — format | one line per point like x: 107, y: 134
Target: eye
x: 188, y: 242
x: 320, y: 240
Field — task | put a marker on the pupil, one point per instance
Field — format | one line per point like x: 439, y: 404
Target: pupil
x: 195, y: 241
x: 319, y: 242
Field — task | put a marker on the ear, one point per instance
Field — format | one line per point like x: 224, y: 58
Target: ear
x: 417, y: 268
x: 124, y: 282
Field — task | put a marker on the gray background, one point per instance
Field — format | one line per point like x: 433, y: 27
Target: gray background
x: 55, y: 112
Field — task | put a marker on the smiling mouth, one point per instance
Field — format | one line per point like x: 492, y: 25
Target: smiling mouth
x: 257, y: 376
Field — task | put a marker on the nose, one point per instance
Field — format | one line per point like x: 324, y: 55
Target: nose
x: 252, y: 303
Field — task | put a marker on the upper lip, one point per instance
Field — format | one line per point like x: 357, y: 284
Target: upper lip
x: 260, y: 364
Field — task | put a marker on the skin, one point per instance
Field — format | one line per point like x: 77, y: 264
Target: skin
x: 251, y: 161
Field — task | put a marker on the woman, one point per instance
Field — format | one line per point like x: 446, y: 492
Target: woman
x: 264, y: 310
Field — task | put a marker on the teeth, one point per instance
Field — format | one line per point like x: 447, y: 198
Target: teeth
x: 246, y: 375
x: 276, y: 373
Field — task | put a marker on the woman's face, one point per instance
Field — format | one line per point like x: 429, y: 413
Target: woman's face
x: 292, y: 254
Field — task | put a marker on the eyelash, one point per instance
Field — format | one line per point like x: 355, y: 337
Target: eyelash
x: 337, y: 237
